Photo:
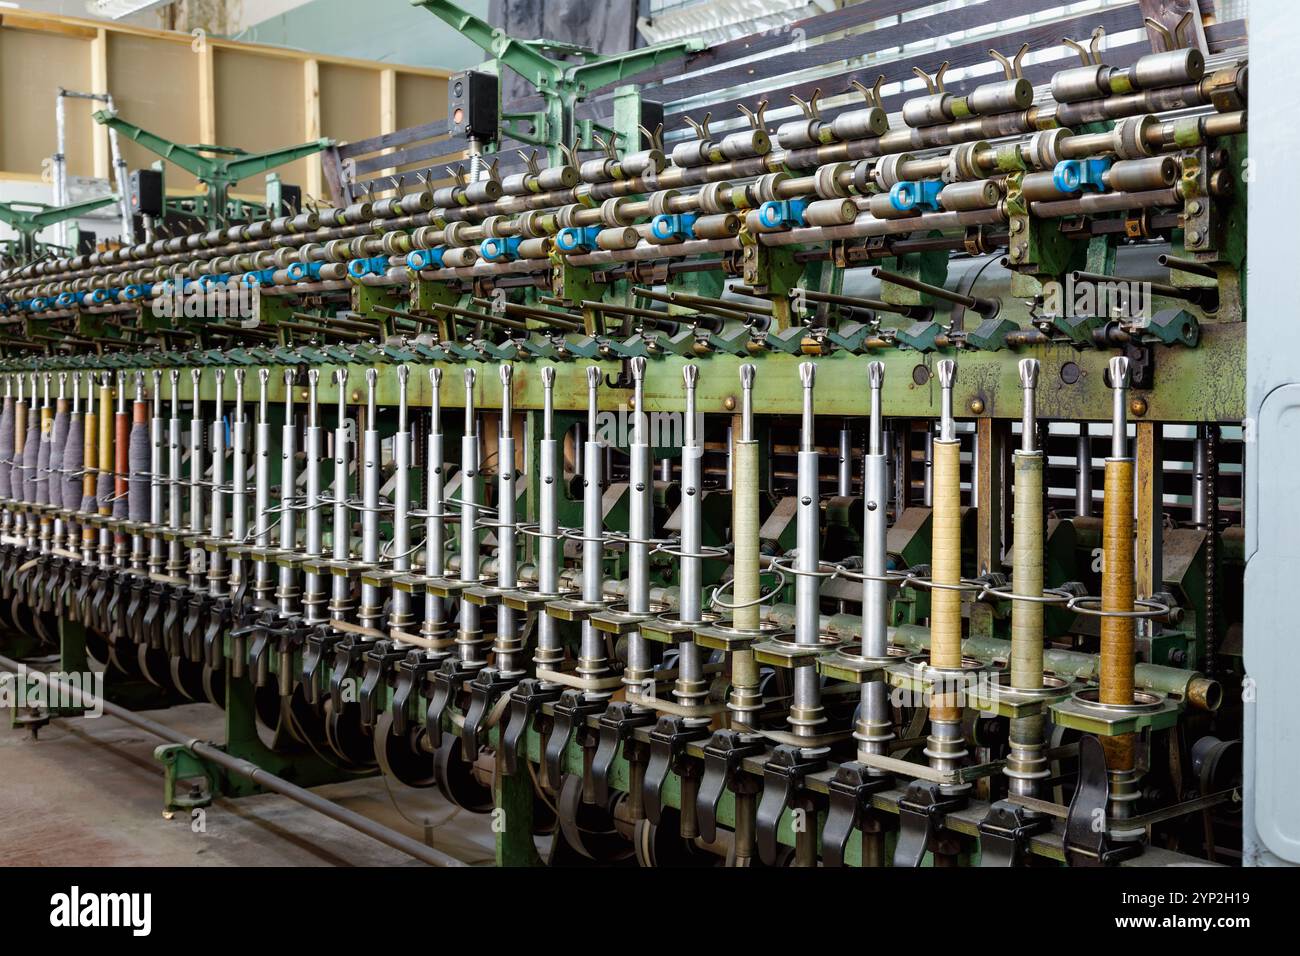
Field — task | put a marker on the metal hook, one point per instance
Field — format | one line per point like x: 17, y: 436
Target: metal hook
x: 530, y: 160
x: 1162, y: 30
x: 656, y: 138
x: 701, y: 128
x: 608, y: 148
x: 1098, y: 35
x: 756, y: 117
x: 933, y: 84
x: 871, y: 94
x: 1012, y: 67
x: 809, y: 107
x: 1180, y: 30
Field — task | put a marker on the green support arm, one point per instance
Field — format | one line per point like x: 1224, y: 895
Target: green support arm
x: 254, y: 163
x: 546, y: 74
x: 33, y: 222
x: 542, y: 72
x: 186, y: 157
x: 209, y: 168
x: 614, y: 69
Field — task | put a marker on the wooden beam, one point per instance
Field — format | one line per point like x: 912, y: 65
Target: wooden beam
x: 991, y: 439
x: 207, y: 94
x: 37, y: 24
x: 86, y: 29
x: 311, y: 128
x: 99, y: 84
x: 1150, y: 508
x: 387, y: 106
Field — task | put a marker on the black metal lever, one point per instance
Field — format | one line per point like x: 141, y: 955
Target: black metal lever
x: 667, y: 744
x: 921, y: 810
x: 1005, y: 833
x: 447, y: 681
x: 571, y: 709
x: 1086, y: 843
x: 525, y: 703
x: 783, y: 777
x: 484, y: 691
x: 850, y: 790
x: 411, y: 673
x: 723, y: 756
x: 616, y: 725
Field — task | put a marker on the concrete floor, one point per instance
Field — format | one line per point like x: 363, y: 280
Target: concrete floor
x: 88, y: 792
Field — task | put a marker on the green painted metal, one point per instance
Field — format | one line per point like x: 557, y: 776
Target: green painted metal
x: 561, y: 85
x: 30, y: 218
x: 217, y: 167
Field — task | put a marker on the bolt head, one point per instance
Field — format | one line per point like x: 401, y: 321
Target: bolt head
x: 593, y: 376
x: 729, y: 403
x: 548, y: 376
x: 435, y: 377
x: 876, y: 374
x: 947, y: 369
x: 469, y: 378
x: 1119, y: 372
x: 807, y: 374
x: 747, y: 373
x: 691, y: 374
x: 1029, y: 373
x: 977, y: 406
x: 638, y: 368
x: 1138, y: 407
x: 507, y: 372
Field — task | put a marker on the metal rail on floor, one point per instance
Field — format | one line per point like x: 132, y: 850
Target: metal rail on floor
x: 250, y: 771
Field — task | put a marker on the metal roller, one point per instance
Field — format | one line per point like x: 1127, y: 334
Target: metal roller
x: 508, y: 646
x: 1026, y: 759
x: 469, y: 638
x: 341, y: 537
x: 806, y: 713
x: 640, y: 528
x: 1118, y: 587
x: 593, y: 663
x: 371, y: 608
x: 690, y: 689
x: 945, y: 746
x: 745, y: 699
x: 434, y: 627
x: 875, y: 724
x: 287, y: 591
x: 263, y: 586
x: 549, y: 651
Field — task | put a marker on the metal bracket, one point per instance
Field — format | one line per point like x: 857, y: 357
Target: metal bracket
x: 411, y: 671
x: 318, y: 647
x: 447, y: 679
x: 1005, y: 833
x: 572, y: 708
x: 783, y: 777
x: 921, y: 810
x: 667, y: 742
x: 850, y: 790
x: 616, y: 725
x: 525, y: 703
x: 484, y: 691
x: 1086, y: 842
x: 723, y: 756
